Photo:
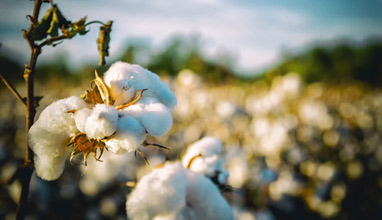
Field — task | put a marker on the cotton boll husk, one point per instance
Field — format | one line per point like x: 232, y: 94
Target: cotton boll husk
x: 125, y: 80
x: 102, y: 122
x: 160, y: 193
x: 155, y: 117
x: 80, y: 117
x: 129, y: 135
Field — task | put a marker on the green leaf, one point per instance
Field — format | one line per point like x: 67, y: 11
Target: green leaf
x: 40, y: 30
x: 103, y: 41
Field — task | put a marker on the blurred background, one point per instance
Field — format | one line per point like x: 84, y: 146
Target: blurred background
x: 292, y: 88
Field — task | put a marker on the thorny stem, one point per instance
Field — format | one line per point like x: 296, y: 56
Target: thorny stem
x: 12, y: 89
x: 30, y: 111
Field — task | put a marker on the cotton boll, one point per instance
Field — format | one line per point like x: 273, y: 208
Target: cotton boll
x: 50, y: 133
x: 55, y: 124
x: 204, y: 157
x: 207, y: 146
x: 205, y: 200
x: 160, y: 193
x: 80, y: 117
x: 154, y: 116
x: 125, y: 80
x: 206, y: 166
x: 173, y: 192
x: 129, y: 136
x: 102, y: 121
x: 50, y: 167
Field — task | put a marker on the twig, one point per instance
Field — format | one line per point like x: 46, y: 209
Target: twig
x: 30, y: 112
x: 13, y: 89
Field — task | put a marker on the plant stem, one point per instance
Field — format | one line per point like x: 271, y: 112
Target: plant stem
x: 30, y: 112
x: 12, y: 89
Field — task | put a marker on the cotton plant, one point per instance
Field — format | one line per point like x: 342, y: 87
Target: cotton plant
x: 184, y: 190
x: 116, y: 114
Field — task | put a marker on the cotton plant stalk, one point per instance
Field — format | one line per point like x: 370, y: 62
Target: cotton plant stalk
x: 116, y: 114
x: 181, y: 190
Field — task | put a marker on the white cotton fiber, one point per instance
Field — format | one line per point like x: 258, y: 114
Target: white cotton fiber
x: 173, y: 192
x: 160, y: 193
x: 207, y: 146
x: 125, y: 80
x: 155, y: 117
x: 205, y: 157
x: 205, y: 200
x: 102, y: 122
x: 50, y: 134
x: 50, y: 167
x: 129, y: 136
x: 81, y: 117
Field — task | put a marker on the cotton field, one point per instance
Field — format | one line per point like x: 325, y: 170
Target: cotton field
x: 282, y: 149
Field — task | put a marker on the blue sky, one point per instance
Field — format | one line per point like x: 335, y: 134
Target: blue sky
x: 254, y: 31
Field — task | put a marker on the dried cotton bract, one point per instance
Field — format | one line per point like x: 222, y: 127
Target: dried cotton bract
x: 117, y: 114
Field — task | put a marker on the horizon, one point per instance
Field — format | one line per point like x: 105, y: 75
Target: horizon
x: 256, y: 34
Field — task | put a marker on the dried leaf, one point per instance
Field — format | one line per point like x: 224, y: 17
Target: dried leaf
x: 40, y: 30
x: 103, y: 42
x: 62, y: 22
x: 77, y: 27
x: 58, y: 21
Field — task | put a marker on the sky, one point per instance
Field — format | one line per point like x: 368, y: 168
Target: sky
x: 254, y: 32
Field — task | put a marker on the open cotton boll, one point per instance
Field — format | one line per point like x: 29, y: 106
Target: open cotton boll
x: 207, y: 146
x: 206, y: 166
x: 49, y: 135
x: 126, y: 79
x: 129, y: 136
x: 50, y: 167
x: 159, y: 193
x: 80, y: 117
x: 173, y: 192
x: 204, y: 157
x: 51, y: 132
x: 102, y: 121
x: 205, y: 200
x: 155, y: 117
